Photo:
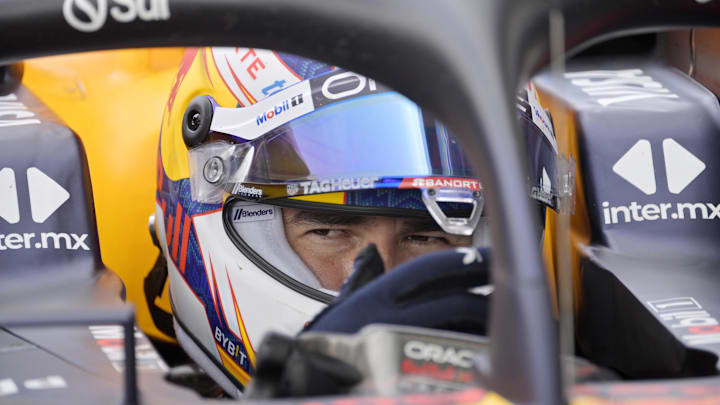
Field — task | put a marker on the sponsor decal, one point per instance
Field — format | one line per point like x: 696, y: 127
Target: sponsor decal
x: 675, y: 304
x: 540, y: 117
x: 254, y: 63
x: 470, y: 255
x: 439, y: 362
x: 278, y: 109
x: 256, y: 120
x: 90, y: 15
x: 45, y: 383
x: 46, y: 196
x: 696, y: 326
x: 637, y: 168
x: 435, y: 371
x: 110, y: 338
x: 543, y: 193
x: 441, y: 182
x: 340, y: 85
x: 229, y: 326
x: 253, y: 213
x: 652, y: 212
x: 346, y: 84
x: 485, y: 290
x: 44, y: 240
x: 277, y: 85
x: 15, y: 113
x: 252, y: 74
x: 9, y: 205
x: 338, y: 184
x: 609, y: 87
x: 231, y: 348
x: 247, y: 192
x: 9, y: 387
x: 435, y: 353
x: 293, y: 188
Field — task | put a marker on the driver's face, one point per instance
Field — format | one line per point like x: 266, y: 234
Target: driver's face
x: 328, y: 243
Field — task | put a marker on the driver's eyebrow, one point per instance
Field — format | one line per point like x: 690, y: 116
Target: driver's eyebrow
x: 327, y: 218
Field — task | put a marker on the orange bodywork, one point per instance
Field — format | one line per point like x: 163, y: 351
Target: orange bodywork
x: 114, y: 101
x: 564, y: 123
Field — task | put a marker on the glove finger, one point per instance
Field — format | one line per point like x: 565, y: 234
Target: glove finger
x: 367, y: 267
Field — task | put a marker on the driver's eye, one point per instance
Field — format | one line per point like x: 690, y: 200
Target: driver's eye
x: 325, y: 232
x: 425, y: 239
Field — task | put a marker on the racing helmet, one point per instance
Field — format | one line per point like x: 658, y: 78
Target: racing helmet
x: 247, y: 133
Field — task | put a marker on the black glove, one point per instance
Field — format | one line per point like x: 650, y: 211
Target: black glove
x: 433, y: 291
x: 286, y: 370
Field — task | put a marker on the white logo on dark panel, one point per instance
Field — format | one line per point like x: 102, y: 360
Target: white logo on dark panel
x: 46, y: 197
x: 94, y: 13
x: 637, y: 168
x: 345, y: 78
x: 694, y: 325
x: 471, y: 255
x: 609, y: 87
x: 9, y: 207
x: 545, y: 182
x: 681, y: 166
x: 45, y: 383
x: 675, y: 304
x: 543, y: 191
x: 15, y: 113
x: 7, y: 387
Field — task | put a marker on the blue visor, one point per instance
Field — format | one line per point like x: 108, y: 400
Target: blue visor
x: 379, y: 135
x: 336, y: 133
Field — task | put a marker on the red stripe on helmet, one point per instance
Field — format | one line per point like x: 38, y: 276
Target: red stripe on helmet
x: 245, y: 91
x: 176, y: 231
x: 183, y: 245
x: 168, y: 233
x: 212, y: 55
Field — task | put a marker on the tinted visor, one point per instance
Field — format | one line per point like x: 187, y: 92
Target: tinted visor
x: 379, y: 135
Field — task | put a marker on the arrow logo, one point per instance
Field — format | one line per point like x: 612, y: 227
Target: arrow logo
x: 682, y: 167
x: 9, y: 209
x: 637, y: 168
x: 46, y: 195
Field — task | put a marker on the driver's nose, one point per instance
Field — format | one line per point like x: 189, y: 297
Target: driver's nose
x: 383, y: 236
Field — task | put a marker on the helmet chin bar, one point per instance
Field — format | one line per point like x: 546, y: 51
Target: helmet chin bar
x: 454, y: 225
